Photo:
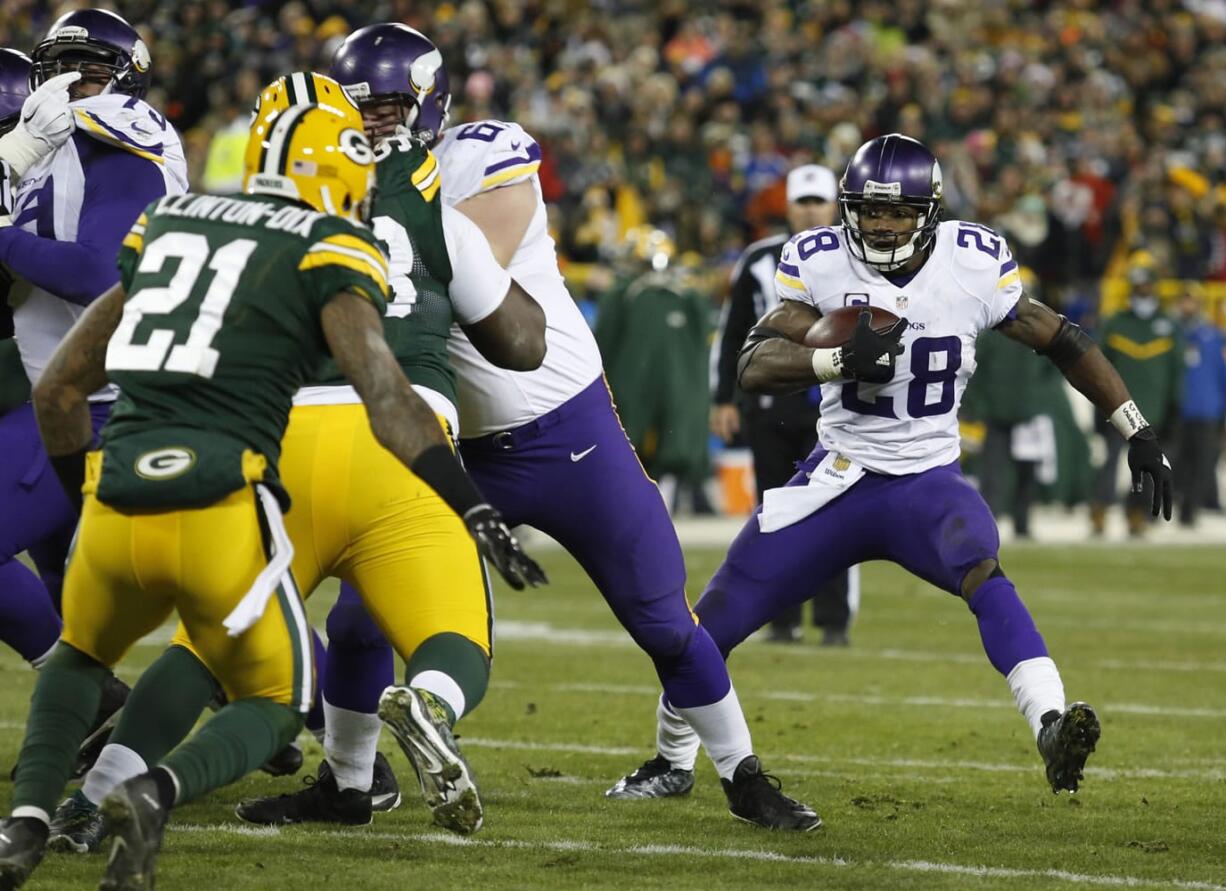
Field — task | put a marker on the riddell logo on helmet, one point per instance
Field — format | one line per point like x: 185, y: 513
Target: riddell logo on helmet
x: 874, y: 189
x: 72, y: 32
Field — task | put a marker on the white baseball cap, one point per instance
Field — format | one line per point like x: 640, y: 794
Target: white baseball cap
x: 812, y: 181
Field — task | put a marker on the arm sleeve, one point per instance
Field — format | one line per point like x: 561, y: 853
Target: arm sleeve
x: 478, y: 283
x: 118, y: 186
x: 735, y: 323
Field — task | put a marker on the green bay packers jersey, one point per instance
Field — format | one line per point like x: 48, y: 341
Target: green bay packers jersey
x: 408, y: 218
x: 220, y: 327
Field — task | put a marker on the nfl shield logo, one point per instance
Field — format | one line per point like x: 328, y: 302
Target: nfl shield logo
x: 901, y: 301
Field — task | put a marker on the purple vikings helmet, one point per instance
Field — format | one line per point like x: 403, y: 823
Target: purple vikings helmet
x: 97, y: 37
x: 895, y: 169
x: 14, y: 86
x: 390, y: 61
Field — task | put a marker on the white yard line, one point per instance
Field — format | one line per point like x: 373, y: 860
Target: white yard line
x: 572, y: 845
x: 950, y: 767
x: 1122, y: 708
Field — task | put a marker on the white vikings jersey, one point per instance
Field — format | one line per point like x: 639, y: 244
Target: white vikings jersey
x: 59, y: 197
x: 476, y: 158
x: 970, y: 282
x: 477, y: 288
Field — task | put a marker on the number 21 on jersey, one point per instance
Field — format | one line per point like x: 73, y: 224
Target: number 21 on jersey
x: 159, y: 351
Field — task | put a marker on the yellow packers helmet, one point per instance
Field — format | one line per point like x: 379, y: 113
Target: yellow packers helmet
x: 304, y: 88
x: 314, y: 154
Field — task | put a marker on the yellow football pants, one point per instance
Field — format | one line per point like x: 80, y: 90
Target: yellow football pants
x: 360, y: 515
x: 129, y: 570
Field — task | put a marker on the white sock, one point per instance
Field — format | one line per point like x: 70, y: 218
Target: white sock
x: 675, y: 738
x: 350, y: 744
x: 723, y: 731
x: 443, y: 686
x: 1037, y: 689
x: 39, y: 661
x: 33, y: 812
x: 115, y: 765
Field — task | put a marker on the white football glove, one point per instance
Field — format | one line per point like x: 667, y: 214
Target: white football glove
x: 46, y: 123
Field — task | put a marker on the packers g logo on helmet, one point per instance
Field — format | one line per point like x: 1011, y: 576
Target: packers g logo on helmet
x: 311, y: 153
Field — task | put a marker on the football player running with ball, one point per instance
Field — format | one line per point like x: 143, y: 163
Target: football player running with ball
x: 225, y: 307
x: 883, y: 482
x: 547, y: 443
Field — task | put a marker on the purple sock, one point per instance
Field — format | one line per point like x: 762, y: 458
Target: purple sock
x: 315, y: 717
x: 1005, y: 626
x: 360, y: 660
x: 699, y: 676
x: 28, y: 622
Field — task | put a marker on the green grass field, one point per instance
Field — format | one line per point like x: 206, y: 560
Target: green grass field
x: 907, y: 744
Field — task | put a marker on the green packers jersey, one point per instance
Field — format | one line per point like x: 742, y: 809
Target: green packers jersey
x: 408, y: 218
x: 220, y: 327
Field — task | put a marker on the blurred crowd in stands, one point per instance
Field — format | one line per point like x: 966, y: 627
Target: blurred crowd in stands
x: 1085, y: 130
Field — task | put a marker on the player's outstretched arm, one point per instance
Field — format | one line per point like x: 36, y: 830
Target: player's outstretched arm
x: 773, y: 359
x: 1085, y: 367
x: 406, y: 427
x: 513, y: 335
x: 61, y: 396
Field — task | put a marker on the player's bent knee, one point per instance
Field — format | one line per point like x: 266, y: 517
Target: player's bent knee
x: 664, y: 642
x: 979, y: 574
x: 350, y: 625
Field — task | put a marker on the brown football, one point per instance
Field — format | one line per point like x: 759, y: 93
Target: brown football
x: 835, y: 328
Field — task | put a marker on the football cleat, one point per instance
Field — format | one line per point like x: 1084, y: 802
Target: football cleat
x: 114, y: 694
x: 1065, y: 742
x: 285, y: 762
x: 134, y: 815
x: 322, y: 801
x: 77, y: 826
x: 418, y: 720
x: 23, y: 841
x: 657, y: 778
x: 755, y: 797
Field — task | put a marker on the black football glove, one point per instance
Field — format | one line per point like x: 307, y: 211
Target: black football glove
x: 869, y: 356
x: 1145, y: 458
x: 497, y: 545
x: 7, y: 189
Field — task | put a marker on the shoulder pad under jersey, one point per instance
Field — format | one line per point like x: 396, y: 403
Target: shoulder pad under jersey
x: 485, y: 155
x: 808, y: 262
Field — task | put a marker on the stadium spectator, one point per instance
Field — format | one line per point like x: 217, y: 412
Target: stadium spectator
x: 1146, y: 348
x: 1204, y: 409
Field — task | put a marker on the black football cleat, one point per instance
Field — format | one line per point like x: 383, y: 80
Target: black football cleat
x: 384, y: 788
x: 657, y: 778
x: 23, y: 841
x: 320, y: 801
x: 77, y: 826
x: 1065, y: 742
x: 135, y: 817
x: 418, y: 720
x: 114, y: 694
x: 755, y: 797
x: 286, y: 762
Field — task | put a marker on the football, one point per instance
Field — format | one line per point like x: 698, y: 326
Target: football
x: 835, y: 328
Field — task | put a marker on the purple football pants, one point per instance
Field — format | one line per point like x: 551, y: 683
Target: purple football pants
x: 933, y: 524
x: 35, y: 516
x: 573, y: 475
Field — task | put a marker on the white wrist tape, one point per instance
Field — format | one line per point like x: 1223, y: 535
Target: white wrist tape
x: 21, y: 149
x: 1128, y: 419
x: 828, y: 364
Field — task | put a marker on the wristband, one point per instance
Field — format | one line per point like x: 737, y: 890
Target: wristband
x: 1128, y: 419
x: 828, y: 364
x: 438, y: 468
x: 21, y: 149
